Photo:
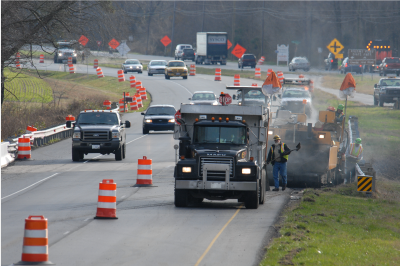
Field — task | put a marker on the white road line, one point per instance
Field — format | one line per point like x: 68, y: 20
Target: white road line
x: 66, y: 233
x: 93, y: 158
x: 30, y: 186
x: 123, y: 197
x: 183, y: 87
x: 137, y: 139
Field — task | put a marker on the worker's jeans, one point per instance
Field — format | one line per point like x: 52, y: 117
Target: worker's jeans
x: 280, y: 168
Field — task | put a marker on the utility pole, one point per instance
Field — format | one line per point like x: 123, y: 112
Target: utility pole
x: 202, y: 26
x: 262, y: 30
x: 233, y: 24
x: 173, y: 24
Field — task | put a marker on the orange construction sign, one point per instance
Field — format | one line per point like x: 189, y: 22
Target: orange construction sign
x: 229, y: 44
x: 83, y: 40
x: 348, y: 82
x: 238, y: 51
x: 113, y: 43
x: 165, y: 40
x: 271, y: 84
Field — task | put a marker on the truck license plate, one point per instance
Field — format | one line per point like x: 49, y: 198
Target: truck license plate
x: 95, y: 147
x: 177, y: 74
x: 216, y: 185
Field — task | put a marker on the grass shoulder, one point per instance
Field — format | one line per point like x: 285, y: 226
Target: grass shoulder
x: 365, y: 83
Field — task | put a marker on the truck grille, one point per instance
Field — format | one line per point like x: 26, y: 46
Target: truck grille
x: 160, y: 121
x: 96, y: 135
x: 216, y: 160
x: 393, y: 92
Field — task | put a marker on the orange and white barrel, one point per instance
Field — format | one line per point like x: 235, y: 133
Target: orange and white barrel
x: 132, y: 81
x: 71, y: 69
x: 121, y: 106
x: 280, y: 77
x: 254, y: 84
x: 236, y: 80
x: 301, y: 76
x: 143, y: 94
x: 269, y: 72
x: 107, y: 200
x: 192, y: 70
x: 99, y: 73
x: 138, y: 85
x: 69, y: 60
x: 311, y: 86
x: 217, y: 74
x: 41, y: 58
x: 17, y: 64
x: 96, y: 63
x: 35, y: 249
x: 261, y: 60
x: 24, y: 148
x: 133, y: 104
x: 139, y: 100
x: 30, y: 129
x: 107, y: 104
x: 121, y: 76
x: 144, y: 172
x: 257, y: 73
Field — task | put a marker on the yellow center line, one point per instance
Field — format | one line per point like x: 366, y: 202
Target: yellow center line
x: 216, y: 237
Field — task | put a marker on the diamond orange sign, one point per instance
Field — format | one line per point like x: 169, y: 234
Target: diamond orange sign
x: 83, y: 40
x: 113, y: 43
x: 165, y: 40
x: 238, y: 51
x: 229, y: 44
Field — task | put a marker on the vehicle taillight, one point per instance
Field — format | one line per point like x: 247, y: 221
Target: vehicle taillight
x: 331, y: 60
x: 360, y: 65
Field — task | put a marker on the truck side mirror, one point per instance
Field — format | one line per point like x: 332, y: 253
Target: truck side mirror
x: 234, y: 96
x: 190, y: 99
x: 142, y: 113
x: 375, y: 86
x: 127, y: 124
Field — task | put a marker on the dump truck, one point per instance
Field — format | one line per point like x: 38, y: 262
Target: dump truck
x: 211, y: 48
x: 322, y: 147
x: 222, y: 152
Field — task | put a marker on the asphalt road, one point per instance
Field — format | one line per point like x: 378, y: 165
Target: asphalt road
x: 150, y: 229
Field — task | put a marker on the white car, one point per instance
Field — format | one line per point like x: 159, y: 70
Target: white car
x: 297, y: 100
x: 156, y: 67
x: 179, y: 50
x: 132, y: 65
x: 204, y: 98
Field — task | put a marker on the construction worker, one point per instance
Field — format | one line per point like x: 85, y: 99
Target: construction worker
x: 339, y: 114
x: 353, y: 156
x: 278, y: 156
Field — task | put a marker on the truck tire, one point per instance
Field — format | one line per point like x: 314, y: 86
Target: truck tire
x: 75, y: 155
x: 181, y: 198
x: 123, y: 151
x: 74, y: 61
x: 184, y: 77
x: 252, y: 201
x: 262, y: 185
x: 118, y: 154
x: 55, y: 60
x: 166, y: 77
x: 145, y: 130
x: 81, y: 155
x: 375, y: 101
x: 381, y: 103
x: 384, y: 73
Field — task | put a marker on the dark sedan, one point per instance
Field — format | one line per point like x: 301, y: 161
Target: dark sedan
x: 159, y: 118
x: 346, y: 67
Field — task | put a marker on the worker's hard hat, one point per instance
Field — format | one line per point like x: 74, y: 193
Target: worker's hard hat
x: 358, y: 141
x: 276, y: 137
x: 340, y: 107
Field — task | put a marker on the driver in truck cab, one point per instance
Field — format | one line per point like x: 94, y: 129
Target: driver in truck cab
x: 278, y: 155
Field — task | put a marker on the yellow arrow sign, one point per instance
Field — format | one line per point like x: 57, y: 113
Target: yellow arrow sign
x: 335, y: 46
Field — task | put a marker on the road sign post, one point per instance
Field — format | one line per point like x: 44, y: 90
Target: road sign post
x: 225, y: 99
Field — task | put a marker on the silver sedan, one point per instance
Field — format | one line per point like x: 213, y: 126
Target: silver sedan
x: 132, y: 65
x: 156, y: 67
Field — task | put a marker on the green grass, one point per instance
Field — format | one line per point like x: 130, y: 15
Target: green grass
x: 364, y: 84
x: 338, y: 227
x: 24, y: 88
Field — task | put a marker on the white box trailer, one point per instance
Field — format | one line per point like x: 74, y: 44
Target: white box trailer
x: 211, y: 48
x: 222, y: 152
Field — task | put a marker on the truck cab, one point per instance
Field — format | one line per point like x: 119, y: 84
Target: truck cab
x: 221, y: 154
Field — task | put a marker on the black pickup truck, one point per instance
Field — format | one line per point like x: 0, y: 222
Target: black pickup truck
x: 387, y: 91
x: 98, y: 131
x: 188, y: 54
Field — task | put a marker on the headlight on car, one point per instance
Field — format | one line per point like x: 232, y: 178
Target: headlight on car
x: 59, y: 54
x: 74, y: 54
x: 215, y: 103
x: 76, y: 135
x: 186, y: 169
x: 148, y: 120
x: 115, y: 135
x: 246, y: 171
x: 171, y: 121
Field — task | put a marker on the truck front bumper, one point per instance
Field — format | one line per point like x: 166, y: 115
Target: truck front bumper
x: 215, y: 185
x: 96, y: 147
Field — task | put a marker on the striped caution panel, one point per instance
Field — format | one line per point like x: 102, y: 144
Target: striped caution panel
x: 364, y: 183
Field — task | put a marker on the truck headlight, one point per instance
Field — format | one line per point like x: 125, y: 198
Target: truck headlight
x: 215, y: 103
x: 171, y: 121
x: 383, y: 91
x: 59, y: 54
x: 186, y: 169
x: 76, y: 135
x: 74, y: 54
x: 115, y: 135
x: 148, y: 120
x: 246, y: 171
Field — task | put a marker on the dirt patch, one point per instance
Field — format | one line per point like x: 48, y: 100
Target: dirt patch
x: 287, y: 259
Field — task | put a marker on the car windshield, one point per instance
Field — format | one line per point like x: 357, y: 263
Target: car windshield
x: 254, y: 94
x: 390, y: 82
x: 203, y: 97
x: 215, y: 134
x: 161, y: 111
x: 300, y: 60
x: 295, y: 94
x: 132, y: 62
x: 187, y: 50
x: 392, y: 60
x: 176, y: 64
x: 98, y: 118
x: 250, y: 56
x: 158, y: 63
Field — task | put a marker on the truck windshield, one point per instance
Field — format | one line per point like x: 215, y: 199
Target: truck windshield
x: 215, y: 134
x: 98, y: 118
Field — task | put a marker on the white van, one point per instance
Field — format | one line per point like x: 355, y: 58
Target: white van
x: 179, y: 50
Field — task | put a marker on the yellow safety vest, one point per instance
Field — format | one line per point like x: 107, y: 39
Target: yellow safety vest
x: 355, y: 152
x: 282, y: 151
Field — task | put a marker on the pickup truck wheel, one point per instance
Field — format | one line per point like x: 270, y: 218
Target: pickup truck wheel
x: 238, y: 66
x: 148, y: 74
x: 167, y: 77
x: 375, y: 101
x: 125, y: 71
x: 145, y: 130
x: 74, y: 61
x: 75, y: 155
x: 118, y: 154
x: 124, y: 151
x: 262, y: 185
x: 81, y: 155
x: 251, y: 200
x: 380, y: 102
x: 184, y: 77
x: 55, y: 60
x: 181, y: 198
x: 384, y: 73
